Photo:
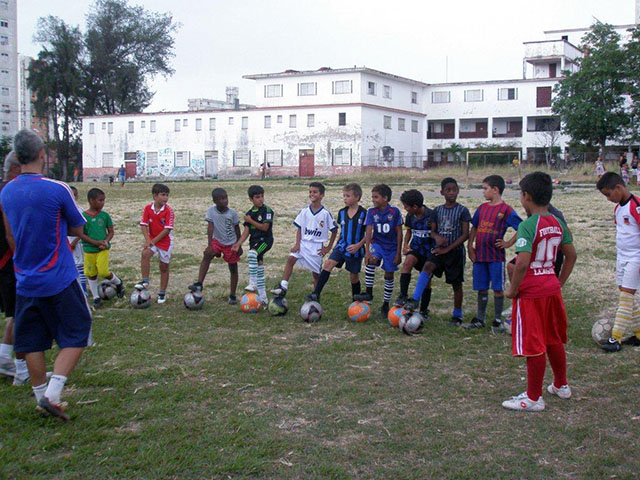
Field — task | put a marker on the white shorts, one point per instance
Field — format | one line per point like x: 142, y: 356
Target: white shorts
x: 628, y: 274
x: 308, y: 256
x: 163, y: 255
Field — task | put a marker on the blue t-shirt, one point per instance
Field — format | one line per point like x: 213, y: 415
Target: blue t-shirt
x: 421, y: 241
x: 38, y: 210
x: 384, y: 224
x: 449, y: 220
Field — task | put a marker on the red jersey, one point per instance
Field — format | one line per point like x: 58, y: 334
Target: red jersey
x: 491, y: 222
x: 157, y: 222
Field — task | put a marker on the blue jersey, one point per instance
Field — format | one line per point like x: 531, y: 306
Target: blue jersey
x: 352, y: 230
x: 421, y: 241
x: 449, y: 220
x: 384, y: 224
x: 38, y: 210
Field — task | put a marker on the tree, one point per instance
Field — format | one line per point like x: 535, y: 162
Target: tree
x: 591, y: 100
x: 632, y: 76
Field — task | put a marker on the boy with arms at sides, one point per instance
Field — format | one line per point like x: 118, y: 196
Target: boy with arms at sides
x: 223, y: 231
x: 349, y: 250
x: 450, y: 221
x: 383, y: 243
x: 314, y: 224
x: 418, y: 241
x: 627, y: 219
x: 539, y: 317
x: 258, y: 228
x: 488, y: 226
x: 96, y: 237
x: 157, y: 229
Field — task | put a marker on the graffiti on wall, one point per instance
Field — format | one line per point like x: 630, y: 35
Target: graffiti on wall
x: 165, y: 165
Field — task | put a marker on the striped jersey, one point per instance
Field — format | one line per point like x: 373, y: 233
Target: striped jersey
x: 352, y: 230
x: 448, y: 221
x: 384, y: 223
x: 627, y: 219
x: 491, y: 223
x: 421, y: 241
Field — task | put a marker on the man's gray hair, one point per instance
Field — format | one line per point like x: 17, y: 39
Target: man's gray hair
x: 27, y: 146
x: 9, y: 161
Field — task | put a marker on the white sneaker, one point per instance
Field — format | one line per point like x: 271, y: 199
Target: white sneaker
x: 162, y: 297
x: 524, y: 404
x: 251, y: 288
x: 563, y: 392
x: 7, y: 367
x: 20, y: 381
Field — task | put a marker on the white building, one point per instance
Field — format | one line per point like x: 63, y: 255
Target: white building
x: 9, y: 105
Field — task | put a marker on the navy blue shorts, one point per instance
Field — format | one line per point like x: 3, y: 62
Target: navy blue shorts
x: 488, y: 273
x: 352, y: 264
x: 64, y: 317
x: 385, y: 255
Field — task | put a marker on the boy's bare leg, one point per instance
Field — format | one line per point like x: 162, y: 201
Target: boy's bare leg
x: 207, y: 257
x: 164, y: 276
x: 233, y: 275
x: 457, y: 296
x: 288, y: 268
x: 37, y: 368
x: 145, y: 262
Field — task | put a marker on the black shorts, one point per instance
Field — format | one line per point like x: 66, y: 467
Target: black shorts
x: 420, y: 259
x: 352, y: 264
x: 261, y: 246
x: 8, y: 293
x: 451, y: 264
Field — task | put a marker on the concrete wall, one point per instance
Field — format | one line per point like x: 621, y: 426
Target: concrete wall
x: 9, y: 88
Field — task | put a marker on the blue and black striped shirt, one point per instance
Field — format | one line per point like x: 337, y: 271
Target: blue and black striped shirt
x: 449, y: 221
x: 352, y: 230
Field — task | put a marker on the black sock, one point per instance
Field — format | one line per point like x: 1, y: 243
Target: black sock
x: 355, y: 288
x: 425, y: 300
x: 322, y: 280
x: 370, y: 290
x: 405, y: 280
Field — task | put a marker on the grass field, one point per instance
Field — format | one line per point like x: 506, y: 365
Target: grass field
x: 167, y: 393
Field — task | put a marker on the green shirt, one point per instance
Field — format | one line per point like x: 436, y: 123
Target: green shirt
x: 96, y: 228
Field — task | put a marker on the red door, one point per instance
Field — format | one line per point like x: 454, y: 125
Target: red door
x: 306, y: 163
x: 130, y: 167
x: 552, y: 70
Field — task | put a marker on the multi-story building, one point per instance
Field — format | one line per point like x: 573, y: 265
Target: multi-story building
x: 9, y: 105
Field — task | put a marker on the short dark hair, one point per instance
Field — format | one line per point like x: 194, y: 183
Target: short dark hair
x: 94, y: 193
x: 159, y: 188
x: 73, y: 189
x: 412, y: 198
x: 539, y: 186
x: 609, y: 181
x: 384, y: 190
x: 317, y: 185
x: 218, y: 193
x: 446, y: 181
x: 495, y: 181
x: 255, y: 190
x: 353, y: 188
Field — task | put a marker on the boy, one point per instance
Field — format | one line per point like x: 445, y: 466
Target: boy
x: 223, y: 232
x: 349, y: 250
x: 540, y: 319
x: 314, y: 224
x: 417, y: 244
x: 76, y: 249
x: 157, y: 228
x: 383, y: 243
x: 627, y: 219
x: 450, y: 221
x: 489, y: 224
x: 258, y: 227
x: 96, y: 238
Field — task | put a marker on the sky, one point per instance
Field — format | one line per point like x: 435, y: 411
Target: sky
x: 219, y: 41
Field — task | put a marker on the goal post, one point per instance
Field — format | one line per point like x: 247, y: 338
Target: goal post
x: 492, y: 157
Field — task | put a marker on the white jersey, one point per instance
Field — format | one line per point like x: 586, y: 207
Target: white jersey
x: 315, y: 226
x: 627, y: 219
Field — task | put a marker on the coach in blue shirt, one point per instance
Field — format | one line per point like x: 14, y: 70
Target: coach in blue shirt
x: 39, y: 213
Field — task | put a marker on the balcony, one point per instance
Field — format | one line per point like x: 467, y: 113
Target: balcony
x: 474, y: 128
x: 507, y: 127
x: 543, y: 124
x: 547, y: 49
x: 441, y: 129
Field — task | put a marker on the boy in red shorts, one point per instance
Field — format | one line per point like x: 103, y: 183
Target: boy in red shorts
x: 223, y: 231
x: 539, y: 321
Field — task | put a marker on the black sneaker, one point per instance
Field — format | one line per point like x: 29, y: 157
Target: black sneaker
x: 384, y: 310
x: 497, y: 327
x: 120, y: 290
x: 474, y: 324
x: 612, y: 346
x: 425, y: 314
x: 312, y: 297
x: 279, y: 291
x: 633, y: 341
x: 455, y: 322
x: 196, y: 287
x: 401, y: 300
x: 232, y: 300
x: 363, y: 297
x: 97, y: 302
x: 411, y: 305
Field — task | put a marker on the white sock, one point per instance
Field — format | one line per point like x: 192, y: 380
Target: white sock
x: 93, y: 287
x: 54, y: 390
x: 284, y: 284
x: 114, y: 279
x: 39, y: 391
x: 6, y: 350
x: 22, y: 371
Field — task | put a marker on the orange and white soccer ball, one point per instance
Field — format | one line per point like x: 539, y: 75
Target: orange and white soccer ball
x: 395, y: 314
x: 250, y: 303
x: 359, y: 312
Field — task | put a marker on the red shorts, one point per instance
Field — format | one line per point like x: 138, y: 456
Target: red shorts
x: 228, y: 255
x: 536, y: 323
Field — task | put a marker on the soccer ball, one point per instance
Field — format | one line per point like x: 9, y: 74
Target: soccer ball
x: 278, y: 306
x: 193, y: 300
x: 311, y: 312
x: 395, y: 314
x: 250, y: 303
x: 106, y: 290
x: 359, y: 312
x: 601, y: 330
x: 411, y: 323
x: 140, y: 298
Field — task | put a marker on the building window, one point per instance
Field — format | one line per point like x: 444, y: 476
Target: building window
x: 414, y: 126
x: 440, y: 97
x: 241, y: 158
x: 6, y: 108
x: 5, y: 91
x: 212, y: 124
x: 185, y: 123
x: 401, y: 159
x: 245, y: 123
x: 4, y: 40
x: 342, y: 86
x: 401, y: 124
x: 473, y: 95
x: 387, y: 122
x: 279, y: 119
x: 386, y: 91
x: 272, y: 91
x: 107, y: 159
x: 92, y: 128
x: 176, y: 126
x: 309, y: 88
x: 342, y: 119
x: 273, y: 157
x: 230, y: 120
x: 152, y: 159
x: 198, y: 124
x: 4, y: 23
x: 5, y: 126
x: 152, y: 126
x: 507, y: 94
x: 543, y: 97
x: 371, y: 88
x: 311, y: 120
x: 143, y: 123
x: 110, y: 127
x: 414, y: 97
x: 4, y: 73
x: 414, y: 159
x: 182, y: 159
x: 130, y: 129
x: 104, y: 125
x: 267, y: 121
x: 293, y: 121
x: 341, y: 156
x: 4, y: 57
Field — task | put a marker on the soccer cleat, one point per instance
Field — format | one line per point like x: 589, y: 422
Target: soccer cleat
x: 411, y: 305
x: 196, y: 287
x: 612, y: 346
x: 55, y: 410
x: 141, y: 285
x: 524, y: 404
x: 7, y: 367
x: 562, y: 392
x: 311, y: 297
x: 400, y: 301
x: 497, y: 327
x: 265, y: 303
x: 251, y: 288
x: 279, y: 291
x: 425, y: 314
x: 633, y: 341
x: 474, y: 324
x: 363, y: 297
x: 455, y: 322
x: 232, y: 300
x: 120, y: 290
x: 162, y: 297
x: 384, y: 310
x: 97, y: 302
x: 20, y: 381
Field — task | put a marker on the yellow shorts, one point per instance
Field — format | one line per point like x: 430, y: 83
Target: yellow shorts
x: 97, y: 264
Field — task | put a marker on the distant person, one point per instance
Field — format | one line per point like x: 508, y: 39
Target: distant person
x: 76, y: 174
x: 599, y: 171
x: 122, y: 175
x: 265, y: 168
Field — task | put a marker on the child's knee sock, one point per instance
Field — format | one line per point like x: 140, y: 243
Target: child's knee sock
x: 558, y: 362
x: 535, y: 376
x: 623, y: 315
x: 498, y: 306
x: 369, y: 277
x: 425, y: 300
x: 322, y: 280
x: 421, y: 284
x: 260, y: 282
x: 252, y: 261
x: 405, y: 279
x: 388, y: 289
x: 483, y: 299
x: 93, y: 287
x: 355, y: 288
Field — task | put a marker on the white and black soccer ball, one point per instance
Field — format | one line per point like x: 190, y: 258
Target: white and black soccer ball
x: 106, y: 290
x: 278, y: 306
x: 193, y: 300
x: 602, y: 329
x: 411, y: 323
x: 140, y: 298
x: 311, y: 312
